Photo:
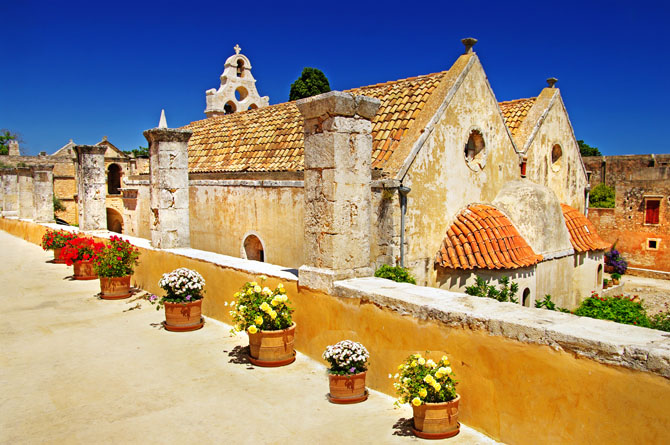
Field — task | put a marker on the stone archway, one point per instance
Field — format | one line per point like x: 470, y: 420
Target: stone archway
x: 114, y: 221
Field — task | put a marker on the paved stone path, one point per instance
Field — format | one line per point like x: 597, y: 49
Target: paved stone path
x: 75, y: 369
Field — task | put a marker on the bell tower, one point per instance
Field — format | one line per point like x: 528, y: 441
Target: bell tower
x: 238, y: 88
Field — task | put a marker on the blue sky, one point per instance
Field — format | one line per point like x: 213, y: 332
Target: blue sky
x: 82, y: 70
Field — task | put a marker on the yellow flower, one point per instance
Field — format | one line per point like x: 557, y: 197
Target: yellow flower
x: 416, y: 401
x: 401, y: 366
x: 423, y: 392
x: 448, y: 369
x: 445, y: 360
x: 237, y: 294
x: 284, y: 298
x: 252, y: 329
x: 265, y: 307
x: 282, y: 290
x: 250, y: 291
x: 274, y: 302
x: 257, y: 289
x: 258, y: 320
x: 253, y: 283
x: 417, y: 355
x: 267, y: 291
x: 280, y: 285
x: 429, y: 379
x: 422, y: 361
x: 437, y: 387
x: 414, y: 363
x: 263, y: 278
x: 431, y: 363
x: 273, y: 314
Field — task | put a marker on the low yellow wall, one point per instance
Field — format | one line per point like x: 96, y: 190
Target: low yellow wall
x: 515, y: 392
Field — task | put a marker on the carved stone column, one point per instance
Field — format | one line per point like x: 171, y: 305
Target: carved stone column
x: 91, y: 187
x: 43, y: 184
x: 169, y: 187
x: 338, y: 152
x: 25, y: 185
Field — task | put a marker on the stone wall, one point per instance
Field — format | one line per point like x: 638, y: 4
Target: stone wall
x: 517, y: 367
x: 634, y: 179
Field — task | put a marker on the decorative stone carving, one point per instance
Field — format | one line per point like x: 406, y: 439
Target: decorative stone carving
x: 43, y: 185
x: 25, y: 185
x: 338, y: 152
x: 91, y: 187
x: 168, y: 165
x: 236, y: 78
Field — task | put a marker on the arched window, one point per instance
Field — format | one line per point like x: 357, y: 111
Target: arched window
x: 114, y: 179
x: 114, y: 221
x: 241, y: 93
x: 526, y: 297
x: 253, y: 248
x: 229, y: 107
x: 240, y: 68
x: 556, y: 157
x: 475, y: 150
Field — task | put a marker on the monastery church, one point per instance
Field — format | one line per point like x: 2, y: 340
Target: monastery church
x: 429, y: 172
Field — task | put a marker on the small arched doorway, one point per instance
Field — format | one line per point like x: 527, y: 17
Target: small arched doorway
x: 114, y: 221
x: 599, y: 275
x: 526, y: 297
x: 113, y: 179
x: 253, y: 248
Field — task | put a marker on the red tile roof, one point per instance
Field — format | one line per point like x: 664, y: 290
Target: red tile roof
x: 583, y: 235
x: 271, y: 138
x: 483, y: 237
x: 515, y: 111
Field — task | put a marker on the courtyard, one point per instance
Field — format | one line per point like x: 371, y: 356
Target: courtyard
x: 77, y: 369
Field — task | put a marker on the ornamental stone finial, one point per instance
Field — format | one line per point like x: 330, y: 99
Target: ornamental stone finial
x: 468, y: 42
x: 162, y: 123
x: 237, y: 49
x: 551, y: 82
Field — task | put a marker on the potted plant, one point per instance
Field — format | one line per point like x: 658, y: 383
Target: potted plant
x: 114, y: 265
x: 55, y: 240
x: 80, y: 253
x: 265, y: 315
x: 614, y: 262
x: 430, y: 388
x: 183, y: 302
x: 616, y: 277
x: 606, y: 283
x: 348, y: 368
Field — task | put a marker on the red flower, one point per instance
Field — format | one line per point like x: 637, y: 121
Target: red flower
x: 118, y: 258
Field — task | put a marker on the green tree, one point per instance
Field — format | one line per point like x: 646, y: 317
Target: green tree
x: 602, y: 196
x: 5, y: 137
x: 311, y: 82
x: 139, y: 152
x: 587, y: 150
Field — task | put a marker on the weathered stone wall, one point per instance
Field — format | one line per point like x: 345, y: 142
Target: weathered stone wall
x: 25, y: 187
x: 567, y: 177
x: 223, y: 215
x: 65, y: 188
x: 441, y: 179
x: 634, y: 178
x: 136, y: 208
x: 11, y: 193
x: 43, y: 193
x: 457, y: 280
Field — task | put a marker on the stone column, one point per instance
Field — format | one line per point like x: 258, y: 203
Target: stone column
x: 25, y: 184
x: 338, y: 152
x: 10, y: 199
x: 168, y: 164
x: 91, y: 187
x: 43, y: 185
x: 2, y: 190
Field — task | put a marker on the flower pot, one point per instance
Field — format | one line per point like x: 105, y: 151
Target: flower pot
x: 57, y: 259
x: 272, y: 348
x: 115, y: 288
x: 436, y: 420
x: 608, y: 268
x: 347, y: 388
x: 615, y: 281
x: 83, y: 270
x: 182, y: 317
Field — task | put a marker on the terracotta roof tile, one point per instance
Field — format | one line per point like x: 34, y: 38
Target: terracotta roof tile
x: 583, y: 235
x: 483, y: 237
x: 271, y: 138
x: 515, y: 111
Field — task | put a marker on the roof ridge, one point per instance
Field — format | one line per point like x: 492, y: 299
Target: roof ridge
x: 516, y: 100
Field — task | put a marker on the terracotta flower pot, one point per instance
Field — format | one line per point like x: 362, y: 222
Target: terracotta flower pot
x: 115, y: 288
x: 615, y: 281
x: 436, y: 420
x: 347, y: 388
x: 272, y: 348
x: 57, y: 256
x: 182, y: 317
x: 83, y: 270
